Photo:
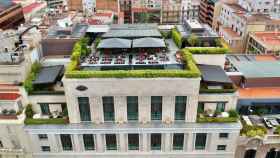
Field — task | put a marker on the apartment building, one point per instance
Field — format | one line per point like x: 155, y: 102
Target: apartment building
x: 235, y: 23
x: 268, y: 7
x: 11, y: 15
x: 138, y: 116
x: 75, y: 5
x: 258, y: 103
x: 190, y: 9
x: 263, y: 43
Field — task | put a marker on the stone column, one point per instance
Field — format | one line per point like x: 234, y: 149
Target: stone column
x: 100, y: 143
x: 189, y: 142
x: 53, y: 139
x: 168, y: 109
x: 77, y: 146
x: 96, y: 108
x: 145, y: 143
x: 262, y: 151
x: 73, y: 108
x: 144, y: 108
x: 120, y: 109
x: 167, y: 141
x: 191, y: 108
x: 123, y: 142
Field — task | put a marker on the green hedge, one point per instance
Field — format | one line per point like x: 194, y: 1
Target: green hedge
x: 253, y: 131
x: 216, y: 119
x: 35, y: 69
x: 204, y: 90
x: 191, y: 70
x: 30, y: 121
x: 206, y: 50
x: 177, y: 38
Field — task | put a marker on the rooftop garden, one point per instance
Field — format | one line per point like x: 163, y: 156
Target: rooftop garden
x: 79, y: 51
x: 225, y: 88
x: 253, y: 131
x: 209, y: 116
x: 60, y: 118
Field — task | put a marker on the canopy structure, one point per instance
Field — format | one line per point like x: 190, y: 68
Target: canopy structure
x: 214, y: 74
x: 114, y: 43
x: 148, y: 42
x: 49, y: 75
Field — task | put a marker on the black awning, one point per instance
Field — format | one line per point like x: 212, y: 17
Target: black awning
x: 213, y: 73
x: 48, y: 75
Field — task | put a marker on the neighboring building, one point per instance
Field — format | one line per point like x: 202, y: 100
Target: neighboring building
x: 258, y: 102
x: 171, y: 12
x: 11, y: 15
x: 207, y: 37
x: 75, y: 5
x: 89, y: 7
x: 263, y: 43
x: 206, y: 11
x: 61, y: 39
x: 190, y: 9
x: 138, y: 116
x: 235, y: 23
x: 32, y: 9
x: 55, y: 3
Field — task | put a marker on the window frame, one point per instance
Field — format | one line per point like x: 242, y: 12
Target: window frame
x: 68, y: 147
x: 84, y: 109
x: 223, y: 135
x: 43, y: 136
x: 156, y: 108
x: 89, y: 143
x: 108, y: 101
x: 180, y: 101
x: 130, y: 102
x: 221, y: 147
x: 43, y: 148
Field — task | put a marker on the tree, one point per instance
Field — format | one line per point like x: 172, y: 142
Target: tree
x: 193, y: 40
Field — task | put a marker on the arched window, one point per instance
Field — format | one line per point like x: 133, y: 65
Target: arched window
x: 250, y: 153
x: 271, y: 154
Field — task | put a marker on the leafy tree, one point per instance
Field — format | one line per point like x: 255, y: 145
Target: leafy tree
x: 28, y: 111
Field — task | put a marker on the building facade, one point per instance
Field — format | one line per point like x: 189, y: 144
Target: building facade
x: 11, y: 15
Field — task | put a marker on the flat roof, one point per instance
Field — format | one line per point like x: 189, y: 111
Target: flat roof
x: 213, y: 73
x: 98, y: 28
x: 259, y: 69
x: 114, y: 43
x: 5, y: 4
x: 48, y: 75
x: 267, y: 38
x: 259, y: 92
x: 132, y: 30
x: 194, y: 24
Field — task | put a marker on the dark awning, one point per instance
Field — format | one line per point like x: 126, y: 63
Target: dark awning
x: 48, y: 75
x: 213, y: 73
x: 148, y: 42
x: 114, y: 43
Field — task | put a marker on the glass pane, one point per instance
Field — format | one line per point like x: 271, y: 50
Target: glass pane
x: 45, y: 109
x: 88, y: 141
x: 155, y: 141
x: 200, y: 141
x: 66, y: 141
x: 108, y: 108
x: 220, y: 107
x: 111, y: 142
x: 180, y: 107
x: 156, y: 107
x: 84, y: 108
x: 133, y: 141
x: 178, y: 141
x: 132, y: 108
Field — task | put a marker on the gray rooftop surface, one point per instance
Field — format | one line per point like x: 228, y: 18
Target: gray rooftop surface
x: 259, y: 69
x: 48, y: 74
x: 114, y: 43
x: 148, y: 42
x: 213, y: 73
x: 132, y: 30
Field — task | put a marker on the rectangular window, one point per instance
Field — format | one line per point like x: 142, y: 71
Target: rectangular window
x: 1, y: 144
x: 200, y: 107
x: 133, y: 141
x: 178, y: 141
x: 221, y: 107
x: 45, y: 148
x: 180, y: 107
x: 111, y: 142
x: 108, y: 108
x: 88, y: 141
x: 221, y: 147
x: 200, y: 141
x: 155, y: 141
x: 132, y: 107
x: 223, y: 135
x: 45, y: 109
x: 42, y: 136
x: 66, y: 142
x: 84, y: 108
x: 156, y: 107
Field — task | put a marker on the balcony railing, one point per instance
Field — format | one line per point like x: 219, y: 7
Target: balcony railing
x: 156, y: 147
x: 156, y: 115
x: 178, y: 147
x: 132, y: 116
x: 133, y: 147
x: 111, y: 147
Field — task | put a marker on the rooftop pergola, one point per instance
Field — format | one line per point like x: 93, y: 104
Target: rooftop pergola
x: 114, y: 43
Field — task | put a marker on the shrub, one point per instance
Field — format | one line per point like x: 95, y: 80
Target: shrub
x: 28, y: 111
x: 193, y: 40
x: 177, y: 38
x: 97, y: 41
x: 232, y: 113
x: 253, y: 131
x: 35, y: 69
x: 277, y: 130
x: 30, y: 121
x: 166, y: 34
x: 207, y: 50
